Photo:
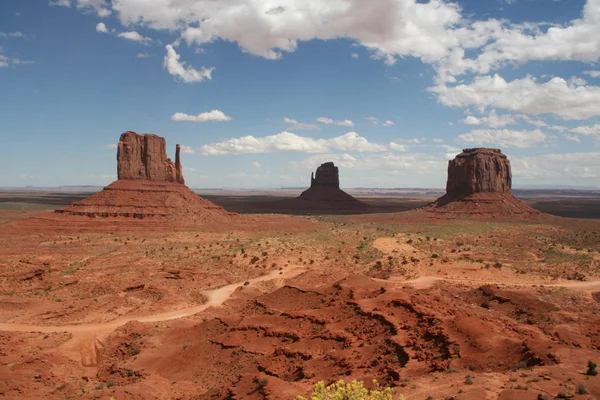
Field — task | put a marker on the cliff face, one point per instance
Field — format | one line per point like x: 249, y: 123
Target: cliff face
x: 327, y: 175
x: 144, y: 157
x: 479, y: 185
x: 478, y: 170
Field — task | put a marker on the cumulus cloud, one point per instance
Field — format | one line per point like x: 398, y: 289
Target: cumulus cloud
x: 556, y: 96
x: 143, y: 55
x: 179, y: 69
x: 135, y: 37
x: 100, y: 7
x: 558, y: 168
x: 214, y: 115
x: 373, y: 120
x: 329, y: 121
x: 388, y: 27
x: 59, y: 3
x: 300, y: 126
x: 505, y: 137
x: 588, y: 130
x: 572, y: 138
x: 388, y: 123
x: 188, y: 150
x: 286, y: 141
x: 493, y: 120
x: 593, y: 74
x: 111, y: 146
x: 101, y: 27
x: 256, y: 164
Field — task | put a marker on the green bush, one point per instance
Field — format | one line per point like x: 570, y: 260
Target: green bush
x: 349, y: 391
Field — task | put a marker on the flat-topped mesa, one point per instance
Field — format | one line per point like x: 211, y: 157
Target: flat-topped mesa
x: 479, y: 185
x: 478, y: 170
x: 144, y: 157
x: 327, y: 175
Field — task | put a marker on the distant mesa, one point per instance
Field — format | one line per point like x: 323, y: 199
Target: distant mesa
x: 325, y: 188
x: 479, y: 183
x: 149, y: 185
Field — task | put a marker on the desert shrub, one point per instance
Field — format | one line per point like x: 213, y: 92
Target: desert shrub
x: 348, y: 391
x: 581, y: 389
x: 592, y: 369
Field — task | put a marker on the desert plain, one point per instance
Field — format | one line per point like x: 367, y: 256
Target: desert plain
x: 216, y: 304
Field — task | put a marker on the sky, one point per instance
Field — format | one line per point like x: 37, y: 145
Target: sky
x: 261, y: 92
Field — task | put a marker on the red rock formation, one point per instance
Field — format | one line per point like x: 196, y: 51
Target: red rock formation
x: 149, y: 185
x: 144, y: 157
x: 325, y: 191
x: 327, y: 175
x: 479, y: 184
x: 479, y: 170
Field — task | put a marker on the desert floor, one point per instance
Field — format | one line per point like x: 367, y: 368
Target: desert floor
x: 268, y: 305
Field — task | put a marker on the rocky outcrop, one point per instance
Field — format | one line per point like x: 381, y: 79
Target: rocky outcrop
x: 325, y: 192
x: 144, y: 157
x: 149, y: 185
x: 479, y: 184
x: 327, y: 175
x: 478, y: 170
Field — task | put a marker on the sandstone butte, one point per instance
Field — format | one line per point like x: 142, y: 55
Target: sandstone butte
x: 149, y: 185
x: 479, y: 183
x: 325, y: 188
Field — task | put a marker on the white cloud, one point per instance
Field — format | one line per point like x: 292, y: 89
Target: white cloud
x: 13, y: 35
x: 101, y: 7
x: 6, y: 61
x: 355, y: 56
x: 505, y: 137
x: 111, y: 146
x: 572, y: 138
x: 135, y: 37
x: 286, y: 141
x: 178, y: 69
x: 143, y: 55
x: 256, y: 164
x: 388, y: 59
x: 300, y: 126
x: 588, y: 130
x: 388, y: 123
x: 214, y: 115
x: 389, y: 27
x: 398, y: 147
x: 576, y: 81
x: 329, y: 121
x: 101, y: 27
x: 494, y: 120
x: 188, y: 150
x: 373, y: 120
x: 559, y: 168
x: 593, y: 74
x: 59, y: 3
x: 556, y: 96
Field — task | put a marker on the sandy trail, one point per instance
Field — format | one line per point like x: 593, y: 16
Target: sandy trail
x: 216, y: 297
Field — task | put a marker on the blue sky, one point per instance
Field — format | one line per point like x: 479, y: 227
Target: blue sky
x: 260, y: 92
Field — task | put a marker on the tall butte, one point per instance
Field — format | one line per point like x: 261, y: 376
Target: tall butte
x: 325, y: 190
x: 479, y: 183
x: 149, y: 185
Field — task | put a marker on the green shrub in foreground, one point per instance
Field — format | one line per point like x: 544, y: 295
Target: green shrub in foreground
x: 349, y: 391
